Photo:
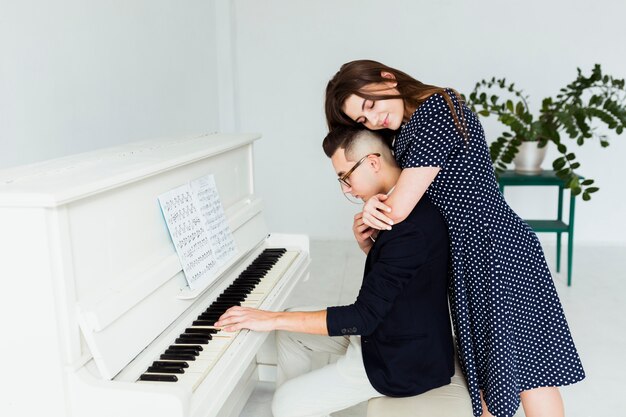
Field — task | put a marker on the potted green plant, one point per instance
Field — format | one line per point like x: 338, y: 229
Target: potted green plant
x: 578, y: 112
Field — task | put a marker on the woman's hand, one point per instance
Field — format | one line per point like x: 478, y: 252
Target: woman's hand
x: 373, y: 213
x: 362, y: 233
x: 237, y: 318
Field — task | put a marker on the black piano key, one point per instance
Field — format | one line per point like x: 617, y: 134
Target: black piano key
x: 220, y: 306
x: 185, y: 347
x: 200, y: 330
x: 207, y: 319
x: 231, y: 296
x: 178, y: 356
x: 227, y: 298
x: 184, y: 352
x: 216, y: 308
x: 256, y: 279
x: 161, y: 378
x: 226, y: 304
x: 244, y: 286
x: 203, y: 322
x: 170, y: 364
x: 189, y: 336
x: 213, y: 313
x: 197, y: 340
x: 164, y: 370
x: 210, y: 315
x: 192, y: 335
x: 239, y: 288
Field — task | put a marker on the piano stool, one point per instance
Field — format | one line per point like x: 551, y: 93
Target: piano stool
x: 451, y: 400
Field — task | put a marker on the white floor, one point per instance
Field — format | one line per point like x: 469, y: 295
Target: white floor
x: 595, y: 306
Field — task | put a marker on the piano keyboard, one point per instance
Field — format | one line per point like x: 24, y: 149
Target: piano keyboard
x: 194, y: 352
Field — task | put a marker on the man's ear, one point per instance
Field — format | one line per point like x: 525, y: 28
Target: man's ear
x: 374, y: 161
x: 392, y: 78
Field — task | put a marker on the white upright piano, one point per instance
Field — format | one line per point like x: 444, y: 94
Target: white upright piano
x: 93, y: 294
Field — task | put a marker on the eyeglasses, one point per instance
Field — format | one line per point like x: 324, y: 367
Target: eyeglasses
x: 343, y: 180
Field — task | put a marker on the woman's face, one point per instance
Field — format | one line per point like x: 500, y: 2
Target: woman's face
x: 376, y: 114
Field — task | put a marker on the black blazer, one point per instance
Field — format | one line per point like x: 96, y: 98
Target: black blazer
x: 401, y: 311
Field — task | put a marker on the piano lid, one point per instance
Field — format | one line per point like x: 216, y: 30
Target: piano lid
x: 62, y: 180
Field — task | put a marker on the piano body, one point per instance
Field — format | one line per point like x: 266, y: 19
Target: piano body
x: 93, y: 292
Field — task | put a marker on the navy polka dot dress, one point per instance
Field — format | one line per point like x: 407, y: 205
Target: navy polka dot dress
x: 511, y: 331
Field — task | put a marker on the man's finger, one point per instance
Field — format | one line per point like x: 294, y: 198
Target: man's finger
x: 232, y: 328
x: 226, y: 315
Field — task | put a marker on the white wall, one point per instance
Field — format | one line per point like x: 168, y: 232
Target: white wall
x: 78, y: 75
x: 287, y: 50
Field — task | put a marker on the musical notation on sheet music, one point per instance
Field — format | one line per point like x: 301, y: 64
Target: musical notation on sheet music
x: 197, y: 224
x: 221, y: 238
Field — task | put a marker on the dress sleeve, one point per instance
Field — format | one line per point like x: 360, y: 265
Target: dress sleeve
x: 434, y: 136
x: 398, y: 263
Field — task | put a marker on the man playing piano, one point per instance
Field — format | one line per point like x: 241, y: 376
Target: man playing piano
x: 395, y: 339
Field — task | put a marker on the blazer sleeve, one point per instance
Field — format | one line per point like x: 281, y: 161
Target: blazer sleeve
x: 400, y: 256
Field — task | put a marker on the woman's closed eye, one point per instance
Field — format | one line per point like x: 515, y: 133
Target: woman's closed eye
x: 369, y: 105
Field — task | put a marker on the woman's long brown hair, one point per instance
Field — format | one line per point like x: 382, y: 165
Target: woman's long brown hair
x: 353, y: 76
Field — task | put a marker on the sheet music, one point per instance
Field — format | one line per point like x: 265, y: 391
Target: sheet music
x: 197, y: 224
x: 208, y: 200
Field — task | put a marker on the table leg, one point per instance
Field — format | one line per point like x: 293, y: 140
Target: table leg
x: 570, y: 239
x: 558, y: 235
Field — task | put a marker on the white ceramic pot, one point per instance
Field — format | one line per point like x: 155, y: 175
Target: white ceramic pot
x: 529, y: 158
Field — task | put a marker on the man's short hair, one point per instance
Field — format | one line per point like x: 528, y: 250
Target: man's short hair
x: 348, y: 138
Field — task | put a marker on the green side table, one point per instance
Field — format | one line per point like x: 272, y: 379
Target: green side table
x: 558, y: 226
